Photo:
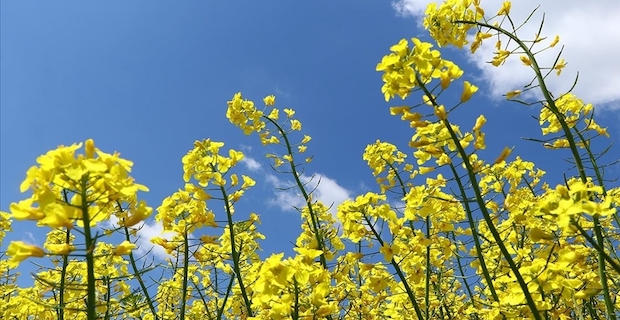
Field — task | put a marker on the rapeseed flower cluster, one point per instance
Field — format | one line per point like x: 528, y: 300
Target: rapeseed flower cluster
x: 477, y: 239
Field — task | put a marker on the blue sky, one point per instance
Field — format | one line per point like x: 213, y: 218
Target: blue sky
x: 148, y: 78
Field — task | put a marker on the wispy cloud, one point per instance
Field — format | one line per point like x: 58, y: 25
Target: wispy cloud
x: 588, y: 29
x: 251, y: 164
x: 284, y: 197
x: 324, y: 189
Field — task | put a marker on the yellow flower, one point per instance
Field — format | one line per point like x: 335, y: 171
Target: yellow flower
x: 234, y: 180
x: 277, y: 162
x: 478, y: 40
x: 244, y: 114
x: 377, y: 283
x: 505, y: 10
x: 445, y: 80
x: 401, y: 47
x: 526, y: 61
x: 425, y: 170
x: 295, y: 125
x: 270, y: 100
x: 138, y: 214
x: 90, y: 149
x: 57, y: 215
x: 444, y: 159
x: 124, y: 248
x: 559, y: 66
x: 440, y: 112
x: 24, y: 210
x: 468, y: 90
x: 505, y: 153
x: 537, y: 234
x: 440, y: 23
x: 513, y: 94
x: 308, y: 253
x: 247, y: 182
x: 274, y: 114
x: 428, y: 100
x: 289, y: 112
x: 596, y: 127
x: 389, y: 251
x: 479, y: 123
x: 479, y: 143
x: 19, y: 251
x: 61, y: 248
x: 207, y: 239
x: 500, y: 57
x: 555, y: 41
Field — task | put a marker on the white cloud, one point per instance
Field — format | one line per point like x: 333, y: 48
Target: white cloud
x: 285, y: 197
x: 146, y: 232
x: 324, y: 189
x: 251, y: 164
x: 410, y: 7
x: 589, y: 30
x: 149, y: 231
x: 329, y: 191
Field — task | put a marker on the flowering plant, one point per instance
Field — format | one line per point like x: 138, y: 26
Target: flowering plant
x: 479, y: 240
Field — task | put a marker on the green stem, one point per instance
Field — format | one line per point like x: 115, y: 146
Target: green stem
x: 295, y: 314
x: 63, y: 271
x: 63, y: 275
x: 428, y: 248
x: 359, y: 275
x: 545, y: 91
x: 599, y: 178
x: 185, y: 273
x: 487, y: 218
x: 601, y: 269
x: 474, y: 232
x: 91, y: 299
x: 609, y: 305
x: 235, y: 255
x: 399, y: 272
x: 485, y: 213
x: 403, y: 190
x: 220, y: 311
x: 138, y: 276
x: 108, y: 297
x: 300, y: 185
x: 428, y: 267
x: 594, y: 243
x: 313, y: 218
x: 458, y: 261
